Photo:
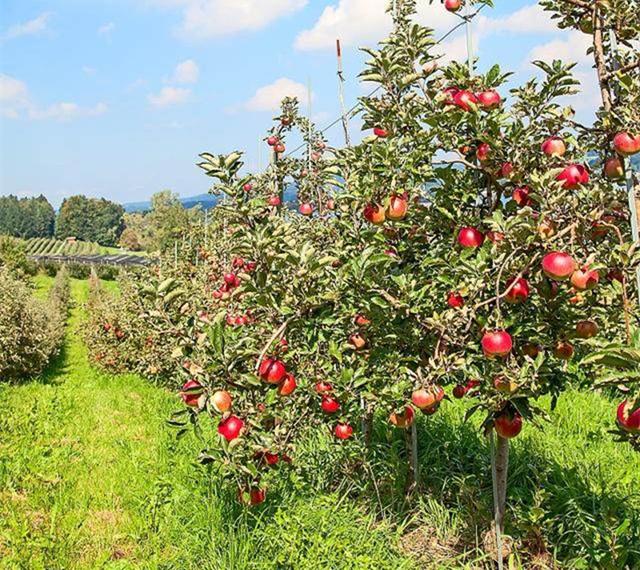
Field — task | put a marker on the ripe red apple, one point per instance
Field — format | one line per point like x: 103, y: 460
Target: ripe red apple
x: 270, y: 458
x: 357, y: 341
x: 554, y: 146
x: 424, y: 398
x: 322, y: 387
x: 230, y: 427
x: 398, y: 206
x: 489, y: 99
x: 521, y: 196
x: 506, y: 170
x: 470, y: 237
x: 466, y: 100
x: 626, y: 144
x: 563, y: 350
x: 613, y: 168
x: 274, y: 201
x: 331, y: 204
x: 573, y: 176
x: 230, y: 279
x: 483, y: 151
x: 496, y: 344
x: 455, y: 300
x: 257, y: 496
x: 453, y: 5
x: 306, y: 209
x: 272, y: 371
x: 221, y: 401
x: 191, y: 392
x: 343, y: 431
x: 272, y: 141
x: 629, y: 417
x: 279, y: 148
x: 402, y: 419
x: 329, y: 404
x: 288, y: 385
x: 248, y: 187
x: 361, y: 321
x: 374, y: 214
x: 584, y: 279
x: 558, y: 265
x: 519, y: 290
x: 508, y: 424
x: 450, y: 93
x: 380, y: 132
x: 586, y: 329
x: 459, y: 391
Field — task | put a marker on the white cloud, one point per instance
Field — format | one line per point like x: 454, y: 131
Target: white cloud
x: 67, y: 111
x: 203, y: 19
x: 14, y: 96
x: 30, y: 28
x: 572, y: 47
x: 106, y: 29
x: 268, y: 98
x: 186, y: 72
x: 169, y: 96
x: 357, y: 22
x: 16, y: 103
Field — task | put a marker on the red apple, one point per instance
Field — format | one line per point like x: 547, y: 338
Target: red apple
x: 361, y: 321
x: 279, y: 148
x: 403, y: 419
x: 191, y: 392
x: 424, y: 398
x: 521, y: 196
x: 329, y: 405
x: 489, y: 99
x: 247, y: 187
x: 614, y: 169
x: 496, y: 344
x: 343, y: 431
x: 554, y: 146
x: 272, y: 371
x: 519, y: 290
x: 380, y: 132
x: 230, y: 427
x: 483, y: 151
x: 470, y: 237
x: 288, y: 385
x: 626, y: 144
x: 455, y: 300
x: 221, y: 401
x: 563, y: 350
x: 331, y: 204
x: 450, y: 93
x: 323, y: 387
x: 508, y: 424
x: 466, y: 100
x: 459, y: 391
x: 306, y: 209
x: 398, y: 206
x: 558, y: 265
x: 573, y: 176
x: 374, y: 214
x: 629, y: 417
x: 272, y: 141
x: 453, y: 5
x: 257, y: 496
x: 584, y: 279
x: 586, y: 329
x: 274, y: 201
x: 506, y: 170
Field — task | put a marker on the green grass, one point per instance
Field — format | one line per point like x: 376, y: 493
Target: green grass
x: 91, y: 477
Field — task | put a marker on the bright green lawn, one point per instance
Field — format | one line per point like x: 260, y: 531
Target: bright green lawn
x: 90, y: 477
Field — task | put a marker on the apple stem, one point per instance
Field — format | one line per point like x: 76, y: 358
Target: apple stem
x: 499, y: 471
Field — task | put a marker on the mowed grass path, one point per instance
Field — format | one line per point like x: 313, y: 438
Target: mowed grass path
x: 91, y: 477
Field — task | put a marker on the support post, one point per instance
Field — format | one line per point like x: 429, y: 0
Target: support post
x: 341, y: 82
x: 499, y: 472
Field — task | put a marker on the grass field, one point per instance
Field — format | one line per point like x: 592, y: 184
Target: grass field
x: 91, y: 477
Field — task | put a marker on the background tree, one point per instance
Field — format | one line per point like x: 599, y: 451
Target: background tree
x: 90, y: 219
x: 26, y: 217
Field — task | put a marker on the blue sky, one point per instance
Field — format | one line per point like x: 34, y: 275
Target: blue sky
x: 116, y: 98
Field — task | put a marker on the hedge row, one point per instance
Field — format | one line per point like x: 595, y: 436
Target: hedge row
x: 31, y: 330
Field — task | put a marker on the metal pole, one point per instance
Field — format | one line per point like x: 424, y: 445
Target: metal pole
x: 628, y: 169
x: 469, y: 39
x: 341, y: 81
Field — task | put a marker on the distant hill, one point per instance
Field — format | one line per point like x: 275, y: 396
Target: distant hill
x: 205, y: 201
